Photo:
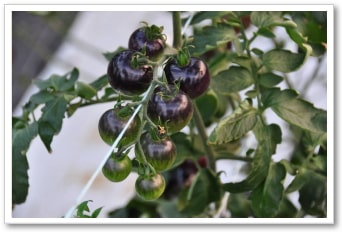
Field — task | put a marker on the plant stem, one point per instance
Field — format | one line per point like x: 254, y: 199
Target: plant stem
x: 177, y: 29
x: 203, y: 134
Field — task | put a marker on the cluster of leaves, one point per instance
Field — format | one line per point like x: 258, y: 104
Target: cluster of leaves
x: 195, y: 190
x: 58, y: 96
x: 83, y: 211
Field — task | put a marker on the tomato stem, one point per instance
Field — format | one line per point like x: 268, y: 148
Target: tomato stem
x: 204, y: 137
x: 177, y: 29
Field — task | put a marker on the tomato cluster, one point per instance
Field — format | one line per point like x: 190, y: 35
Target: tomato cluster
x: 167, y: 108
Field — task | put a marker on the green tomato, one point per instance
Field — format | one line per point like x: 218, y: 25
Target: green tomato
x: 150, y: 188
x: 117, y: 170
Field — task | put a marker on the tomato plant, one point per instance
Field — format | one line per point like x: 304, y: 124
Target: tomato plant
x: 210, y: 100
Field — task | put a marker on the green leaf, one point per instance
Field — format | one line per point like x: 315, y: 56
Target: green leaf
x: 239, y: 205
x: 50, y: 122
x: 184, y: 147
x: 203, y: 15
x: 296, y: 111
x: 100, y: 82
x: 110, y: 55
x: 208, y: 105
x: 168, y: 209
x: 235, y: 125
x: 211, y: 37
x: 274, y: 96
x: 286, y: 209
x: 59, y: 83
x: 313, y: 194
x: 269, y: 79
x: 296, y: 36
x: 83, y: 210
x: 263, y: 19
x: 267, y: 197
x: 232, y: 80
x: 85, y: 90
x: 260, y: 164
x: 21, y: 140
x: 197, y: 196
x: 283, y: 60
x: 266, y: 32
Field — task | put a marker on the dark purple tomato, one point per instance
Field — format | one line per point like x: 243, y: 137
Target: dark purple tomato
x: 170, y: 107
x: 194, y: 78
x: 160, y: 153
x: 150, y: 188
x: 111, y: 124
x: 125, y: 78
x: 149, y: 39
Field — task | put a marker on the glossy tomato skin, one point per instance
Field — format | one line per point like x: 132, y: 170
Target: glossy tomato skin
x: 117, y: 169
x: 171, y: 107
x: 125, y: 78
x: 161, y: 153
x: 150, y: 188
x: 139, y: 41
x: 111, y: 124
x: 194, y: 78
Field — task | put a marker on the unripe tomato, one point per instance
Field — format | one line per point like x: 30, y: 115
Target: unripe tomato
x: 117, y: 170
x: 150, y: 188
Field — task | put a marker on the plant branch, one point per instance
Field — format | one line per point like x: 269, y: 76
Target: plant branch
x: 177, y: 29
x: 203, y: 135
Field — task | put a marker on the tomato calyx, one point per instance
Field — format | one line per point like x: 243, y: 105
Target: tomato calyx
x: 183, y: 57
x: 153, y: 32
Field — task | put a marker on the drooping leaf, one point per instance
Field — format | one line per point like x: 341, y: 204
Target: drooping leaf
x: 260, y: 164
x: 235, y: 125
x: 283, y: 60
x: 203, y: 15
x: 211, y: 37
x: 276, y: 96
x: 312, y: 188
x: 85, y: 90
x: 286, y: 209
x: 50, y: 122
x: 21, y: 140
x: 208, y: 105
x: 239, y: 205
x: 267, y: 197
x: 264, y: 19
x: 232, y: 80
x: 296, y: 111
x: 263, y: 31
x: 168, y: 209
x: 269, y: 79
x: 101, y: 82
x: 184, y: 147
x: 205, y: 188
x: 59, y: 83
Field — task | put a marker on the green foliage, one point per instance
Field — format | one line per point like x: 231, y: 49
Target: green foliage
x: 83, y: 211
x: 246, y: 83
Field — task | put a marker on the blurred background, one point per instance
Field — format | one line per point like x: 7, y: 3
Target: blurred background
x: 46, y: 43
